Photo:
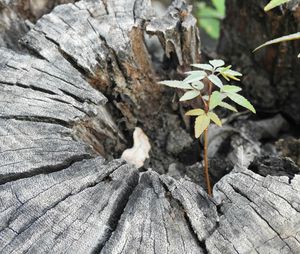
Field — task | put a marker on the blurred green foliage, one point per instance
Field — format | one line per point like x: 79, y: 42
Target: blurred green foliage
x: 210, y: 16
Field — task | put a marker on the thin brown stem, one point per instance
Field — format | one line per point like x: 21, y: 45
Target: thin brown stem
x: 206, y: 173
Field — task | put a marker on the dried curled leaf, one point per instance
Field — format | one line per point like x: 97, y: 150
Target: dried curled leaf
x: 140, y: 150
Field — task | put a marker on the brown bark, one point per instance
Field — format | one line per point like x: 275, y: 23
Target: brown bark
x: 271, y: 75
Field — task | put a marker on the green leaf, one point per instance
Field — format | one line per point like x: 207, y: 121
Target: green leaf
x: 227, y: 106
x: 206, y: 12
x: 227, y: 73
x: 206, y: 67
x: 200, y: 73
x: 194, y: 77
x: 214, y: 118
x: 295, y: 36
x: 220, y: 6
x: 189, y: 95
x: 242, y: 101
x: 175, y: 84
x: 215, y: 80
x: 211, y: 27
x: 201, y: 123
x: 274, y: 3
x: 195, y: 112
x: 222, y: 69
x: 217, y: 63
x: 230, y: 89
x: 215, y: 100
x: 198, y: 85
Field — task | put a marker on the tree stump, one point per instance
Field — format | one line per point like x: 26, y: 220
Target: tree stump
x: 272, y: 78
x: 89, y: 78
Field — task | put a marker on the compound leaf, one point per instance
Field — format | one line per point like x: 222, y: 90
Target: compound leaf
x: 215, y: 80
x: 206, y: 67
x: 201, y: 123
x: 227, y: 106
x: 175, y: 84
x: 214, y: 118
x: 217, y: 63
x: 198, y: 85
x: 215, y: 99
x: 189, y: 95
x: 231, y: 89
x: 242, y: 101
x: 230, y: 74
x: 195, y: 112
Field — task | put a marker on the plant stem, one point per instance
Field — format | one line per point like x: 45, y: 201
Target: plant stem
x: 206, y: 174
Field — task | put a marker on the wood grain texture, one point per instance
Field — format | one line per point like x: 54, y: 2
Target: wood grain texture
x: 257, y: 214
x: 17, y: 16
x: 73, y: 210
x: 58, y: 195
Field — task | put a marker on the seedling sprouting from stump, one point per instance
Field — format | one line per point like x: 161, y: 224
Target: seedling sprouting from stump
x: 212, y: 95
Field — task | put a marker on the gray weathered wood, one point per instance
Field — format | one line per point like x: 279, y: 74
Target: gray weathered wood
x: 42, y: 110
x: 249, y: 214
x: 16, y: 17
x: 58, y: 195
x: 72, y: 211
x: 105, y: 41
x: 257, y: 214
x: 155, y: 222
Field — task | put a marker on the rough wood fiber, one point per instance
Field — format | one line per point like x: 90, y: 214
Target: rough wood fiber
x: 105, y: 41
x: 40, y: 111
x: 154, y: 222
x: 56, y: 198
x: 16, y: 17
x: 257, y: 214
x: 249, y: 214
x: 71, y: 211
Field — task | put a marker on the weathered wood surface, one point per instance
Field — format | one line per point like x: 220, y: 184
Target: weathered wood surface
x: 58, y: 195
x: 17, y: 16
x: 73, y: 210
x: 80, y: 210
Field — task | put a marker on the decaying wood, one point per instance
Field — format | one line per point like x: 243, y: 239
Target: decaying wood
x: 73, y: 210
x: 16, y: 17
x: 59, y: 195
x: 105, y: 42
x: 272, y: 75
